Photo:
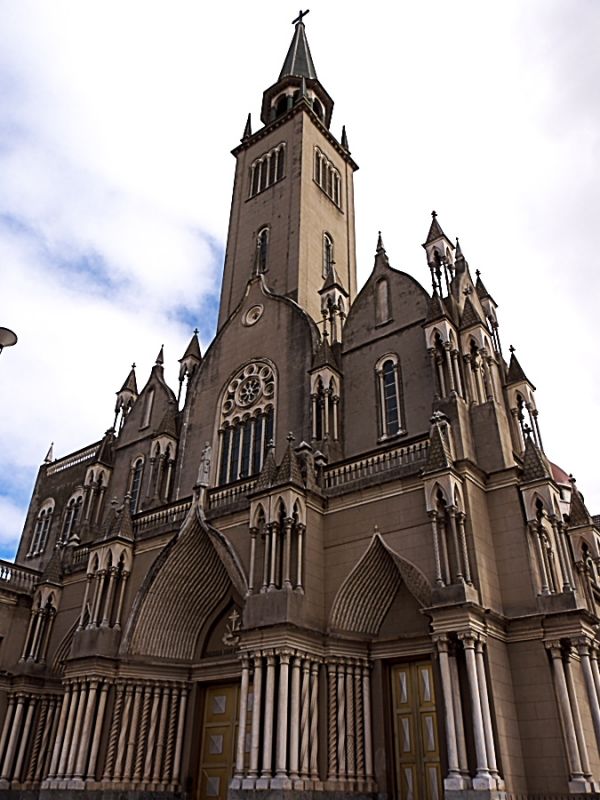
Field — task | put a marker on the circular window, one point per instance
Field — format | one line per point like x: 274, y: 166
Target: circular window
x: 248, y: 392
x: 253, y: 314
x: 251, y: 390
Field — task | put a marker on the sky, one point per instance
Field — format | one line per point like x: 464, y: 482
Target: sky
x: 117, y: 123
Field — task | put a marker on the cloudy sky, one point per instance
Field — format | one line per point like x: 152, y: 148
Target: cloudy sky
x: 115, y: 180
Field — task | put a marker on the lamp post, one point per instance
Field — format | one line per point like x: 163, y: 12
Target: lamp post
x: 7, y: 338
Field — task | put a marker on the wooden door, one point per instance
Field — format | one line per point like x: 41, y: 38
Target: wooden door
x: 219, y: 738
x: 416, y: 739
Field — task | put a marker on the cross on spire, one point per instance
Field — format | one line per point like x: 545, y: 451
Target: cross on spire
x: 300, y: 16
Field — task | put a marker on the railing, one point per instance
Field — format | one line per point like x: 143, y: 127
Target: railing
x: 19, y: 579
x: 231, y: 494
x: 80, y: 556
x: 71, y: 461
x: 149, y: 520
x: 376, y: 464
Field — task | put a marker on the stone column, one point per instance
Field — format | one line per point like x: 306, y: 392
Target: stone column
x: 287, y: 554
x: 562, y: 555
x: 58, y: 742
x: 274, y: 526
x: 483, y: 779
x: 350, y: 722
x: 485, y: 710
x: 457, y: 552
x: 295, y: 719
x: 583, y: 648
x: 7, y: 727
x: 133, y: 734
x: 253, y: 535
x: 256, y: 717
x: 449, y: 368
x: 458, y: 719
x: 341, y: 718
x: 143, y: 735
x: 37, y: 739
x: 243, y: 713
x: 123, y: 583
x: 66, y: 760
x: 299, y: 565
x: 436, y: 548
x: 151, y: 736
x: 366, y: 693
x: 109, y: 596
x: 282, y: 716
x: 81, y: 763
x: 269, y: 712
x: 24, y: 738
x: 157, y: 776
x: 533, y: 528
x: 266, y: 536
x: 305, y: 721
x: 566, y: 717
x: 461, y: 518
x: 180, y: 729
x: 360, y: 728
x: 99, y: 724
x: 579, y: 734
x: 454, y: 780
x: 332, y: 762
x: 122, y: 746
x: 13, y: 740
x: 85, y: 599
x: 95, y: 618
x: 314, y: 721
x: 442, y: 534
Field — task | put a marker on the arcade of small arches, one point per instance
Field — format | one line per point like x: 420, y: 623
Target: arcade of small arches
x: 277, y: 547
x: 476, y: 382
x: 107, y: 573
x: 328, y: 178
x: 267, y: 169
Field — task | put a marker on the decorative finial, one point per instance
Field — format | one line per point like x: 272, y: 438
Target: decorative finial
x: 344, y: 141
x: 247, y: 128
x: 375, y: 529
x: 133, y: 365
x: 50, y: 454
x: 160, y: 358
x: 434, y: 214
x: 477, y: 271
x: 290, y: 437
x: 301, y: 14
x: 512, y: 349
x: 196, y: 331
x: 571, y: 479
x: 527, y: 431
x: 380, y: 246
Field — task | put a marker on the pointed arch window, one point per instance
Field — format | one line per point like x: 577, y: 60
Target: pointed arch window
x: 391, y: 401
x: 135, y: 488
x: 72, y: 515
x: 262, y: 249
x: 41, y: 530
x: 328, y: 177
x: 247, y: 422
x: 267, y: 170
x: 382, y: 307
x: 325, y: 399
x: 327, y: 254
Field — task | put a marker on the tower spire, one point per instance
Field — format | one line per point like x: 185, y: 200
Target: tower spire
x: 298, y: 61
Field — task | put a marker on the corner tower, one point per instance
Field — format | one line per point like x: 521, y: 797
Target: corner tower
x: 292, y: 212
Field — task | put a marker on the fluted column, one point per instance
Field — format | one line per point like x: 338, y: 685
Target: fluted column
x: 157, y: 775
x: 151, y: 737
x: 42, y: 762
x: 366, y: 693
x: 13, y: 740
x: 360, y: 728
x: 483, y: 779
x: 171, y: 738
x: 243, y: 713
x: 269, y: 713
x: 58, y: 742
x: 40, y: 727
x: 111, y: 750
x: 341, y: 718
x: 143, y: 735
x: 122, y: 745
x: 65, y: 756
x: 304, y: 722
x: 350, y: 722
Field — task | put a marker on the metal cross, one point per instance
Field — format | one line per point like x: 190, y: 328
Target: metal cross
x: 300, y: 16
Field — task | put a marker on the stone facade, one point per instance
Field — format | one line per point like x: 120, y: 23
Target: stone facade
x: 339, y: 562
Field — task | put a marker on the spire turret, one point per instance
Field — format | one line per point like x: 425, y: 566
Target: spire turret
x: 189, y: 361
x: 126, y: 397
x: 440, y: 255
x: 297, y: 81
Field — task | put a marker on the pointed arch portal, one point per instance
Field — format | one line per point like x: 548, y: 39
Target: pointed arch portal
x: 369, y: 590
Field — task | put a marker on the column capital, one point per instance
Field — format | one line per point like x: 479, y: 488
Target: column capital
x: 469, y: 639
x: 554, y: 646
x: 584, y: 645
x: 442, y: 641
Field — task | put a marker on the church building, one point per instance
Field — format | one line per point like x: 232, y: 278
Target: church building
x: 335, y: 561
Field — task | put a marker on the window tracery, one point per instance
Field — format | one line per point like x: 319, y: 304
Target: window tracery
x: 135, y: 486
x: 327, y: 254
x: 72, y: 515
x: 247, y: 421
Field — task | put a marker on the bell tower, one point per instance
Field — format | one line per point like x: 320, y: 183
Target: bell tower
x: 292, y: 212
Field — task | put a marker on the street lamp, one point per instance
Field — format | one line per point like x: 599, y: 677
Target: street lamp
x: 7, y: 338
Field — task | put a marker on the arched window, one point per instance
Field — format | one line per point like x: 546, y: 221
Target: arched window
x: 247, y: 422
x: 262, y: 249
x: 136, y: 484
x: 71, y: 517
x: 148, y: 409
x: 327, y: 254
x: 325, y: 401
x: 390, y: 396
x: 268, y: 169
x: 318, y: 108
x: 328, y: 178
x: 42, y: 529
